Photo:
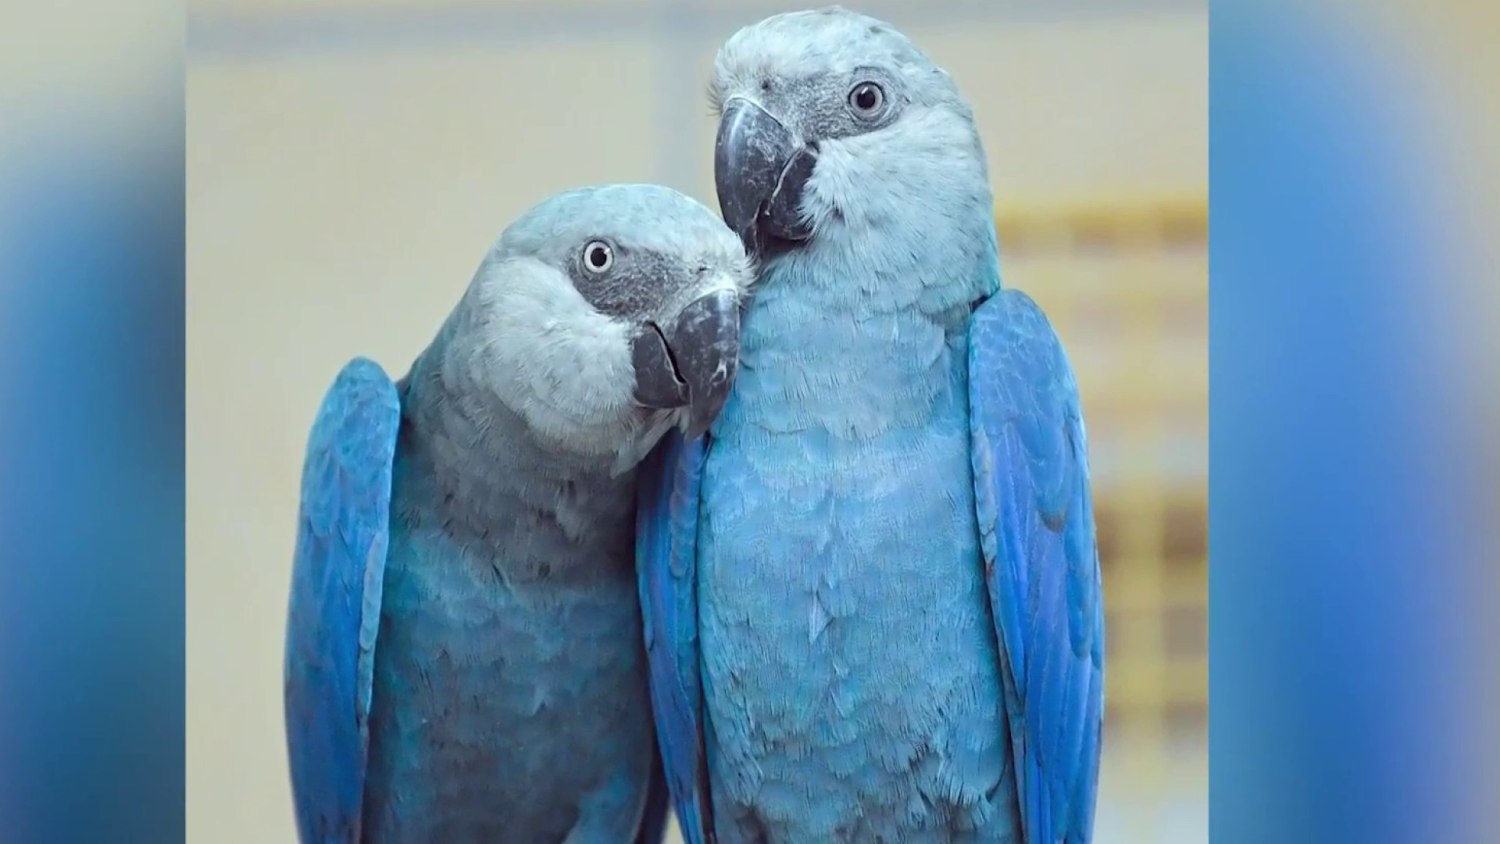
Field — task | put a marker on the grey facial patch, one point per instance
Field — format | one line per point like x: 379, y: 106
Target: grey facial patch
x: 818, y: 105
x: 635, y: 287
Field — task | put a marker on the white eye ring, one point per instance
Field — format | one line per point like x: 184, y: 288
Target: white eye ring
x: 597, y: 257
x: 866, y: 99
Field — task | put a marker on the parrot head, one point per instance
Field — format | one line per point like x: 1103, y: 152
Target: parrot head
x: 834, y: 131
x: 605, y: 315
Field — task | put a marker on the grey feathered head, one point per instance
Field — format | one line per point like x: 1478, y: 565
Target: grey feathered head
x: 605, y: 315
x: 833, y: 122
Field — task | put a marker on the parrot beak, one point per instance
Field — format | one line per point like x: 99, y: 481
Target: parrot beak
x: 694, y: 367
x: 706, y: 347
x: 760, y: 171
x: 658, y: 385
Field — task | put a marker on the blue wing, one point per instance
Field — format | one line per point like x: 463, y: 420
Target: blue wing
x: 334, y: 611
x: 667, y: 558
x: 1036, y: 521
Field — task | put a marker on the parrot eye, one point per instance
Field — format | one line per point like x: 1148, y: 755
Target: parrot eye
x: 598, y: 257
x: 866, y: 99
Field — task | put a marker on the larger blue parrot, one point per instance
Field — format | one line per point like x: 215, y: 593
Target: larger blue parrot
x: 872, y: 592
x: 463, y: 651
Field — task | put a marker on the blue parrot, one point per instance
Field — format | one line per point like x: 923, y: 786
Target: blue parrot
x: 871, y: 593
x: 464, y: 658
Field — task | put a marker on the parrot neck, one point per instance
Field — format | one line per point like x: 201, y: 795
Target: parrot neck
x: 482, y: 464
x: 889, y: 265
x: 858, y: 339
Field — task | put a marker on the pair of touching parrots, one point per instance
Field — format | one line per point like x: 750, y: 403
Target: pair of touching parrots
x: 784, y: 524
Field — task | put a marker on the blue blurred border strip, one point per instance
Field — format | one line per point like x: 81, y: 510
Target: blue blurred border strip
x: 91, y: 437
x: 1351, y: 580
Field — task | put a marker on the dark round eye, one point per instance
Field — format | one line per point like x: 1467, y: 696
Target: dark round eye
x: 598, y: 257
x: 866, y: 99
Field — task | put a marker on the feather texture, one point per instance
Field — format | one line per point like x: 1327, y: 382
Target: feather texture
x: 667, y: 548
x: 334, y: 610
x: 1036, y: 525
x: 479, y: 517
x: 877, y: 579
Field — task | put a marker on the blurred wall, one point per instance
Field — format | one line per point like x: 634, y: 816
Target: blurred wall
x: 349, y: 162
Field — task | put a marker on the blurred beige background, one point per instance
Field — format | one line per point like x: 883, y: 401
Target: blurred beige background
x: 349, y: 162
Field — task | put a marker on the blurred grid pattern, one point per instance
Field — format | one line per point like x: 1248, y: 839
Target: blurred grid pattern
x: 348, y: 163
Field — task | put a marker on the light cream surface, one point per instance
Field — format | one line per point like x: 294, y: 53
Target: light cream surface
x: 341, y: 191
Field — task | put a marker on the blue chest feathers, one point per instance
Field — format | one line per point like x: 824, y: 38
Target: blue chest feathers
x: 509, y: 698
x: 848, y: 647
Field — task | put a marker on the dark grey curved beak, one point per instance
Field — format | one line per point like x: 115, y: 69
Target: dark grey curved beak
x: 706, y: 345
x: 694, y: 364
x: 760, y: 171
x: 657, y: 382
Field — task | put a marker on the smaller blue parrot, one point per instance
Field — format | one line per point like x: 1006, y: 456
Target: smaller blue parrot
x: 464, y: 656
x: 872, y: 596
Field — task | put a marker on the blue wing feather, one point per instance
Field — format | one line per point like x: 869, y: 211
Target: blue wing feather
x: 334, y: 611
x: 666, y: 553
x: 1036, y: 522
